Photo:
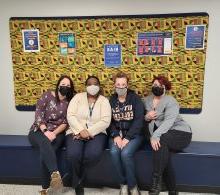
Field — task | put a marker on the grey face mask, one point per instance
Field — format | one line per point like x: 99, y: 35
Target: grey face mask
x: 121, y: 91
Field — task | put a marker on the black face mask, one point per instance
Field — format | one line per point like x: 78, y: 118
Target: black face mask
x: 157, y: 91
x: 64, y: 90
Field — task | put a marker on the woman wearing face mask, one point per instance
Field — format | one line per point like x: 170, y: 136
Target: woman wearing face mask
x: 125, y: 132
x: 168, y: 132
x: 47, y: 131
x: 89, y: 114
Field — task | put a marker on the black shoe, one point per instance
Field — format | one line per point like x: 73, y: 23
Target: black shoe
x: 134, y: 191
x: 173, y: 193
x: 67, y: 181
x: 156, y: 184
x: 79, y: 190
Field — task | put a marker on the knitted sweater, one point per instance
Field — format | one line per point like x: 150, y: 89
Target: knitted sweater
x: 80, y: 116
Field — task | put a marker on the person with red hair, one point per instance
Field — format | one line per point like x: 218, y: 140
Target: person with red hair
x: 169, y: 132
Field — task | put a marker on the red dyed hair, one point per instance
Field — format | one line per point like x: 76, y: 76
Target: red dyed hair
x: 163, y: 81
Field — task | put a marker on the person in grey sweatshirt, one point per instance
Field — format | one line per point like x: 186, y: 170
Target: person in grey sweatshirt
x: 168, y: 132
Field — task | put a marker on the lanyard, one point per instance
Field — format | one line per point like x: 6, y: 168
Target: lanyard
x: 89, y: 122
x: 91, y: 109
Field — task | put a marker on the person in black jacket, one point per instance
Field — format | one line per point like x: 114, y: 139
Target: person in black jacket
x: 125, y: 131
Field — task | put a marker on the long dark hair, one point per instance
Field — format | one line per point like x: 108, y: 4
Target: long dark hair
x: 72, y: 92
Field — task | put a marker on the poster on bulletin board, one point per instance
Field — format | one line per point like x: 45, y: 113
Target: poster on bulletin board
x: 112, y: 55
x: 154, y: 43
x: 31, y: 40
x: 195, y: 37
x: 67, y: 43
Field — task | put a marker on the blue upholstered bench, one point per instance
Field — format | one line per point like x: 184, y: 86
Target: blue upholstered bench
x: 197, y: 167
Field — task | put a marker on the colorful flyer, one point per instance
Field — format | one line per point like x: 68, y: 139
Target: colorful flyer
x: 154, y: 43
x: 112, y: 55
x: 67, y: 43
x: 31, y: 40
x: 195, y: 37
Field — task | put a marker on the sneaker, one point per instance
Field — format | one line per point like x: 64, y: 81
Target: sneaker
x: 123, y: 190
x: 43, y: 192
x: 135, y: 191
x: 56, y: 181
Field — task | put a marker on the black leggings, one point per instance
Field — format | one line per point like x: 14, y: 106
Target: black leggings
x: 48, y: 160
x: 173, y: 140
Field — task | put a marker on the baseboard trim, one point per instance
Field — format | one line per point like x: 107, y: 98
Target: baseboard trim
x: 180, y: 188
x: 199, y: 189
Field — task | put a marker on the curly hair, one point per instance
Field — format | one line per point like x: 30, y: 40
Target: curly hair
x: 163, y: 81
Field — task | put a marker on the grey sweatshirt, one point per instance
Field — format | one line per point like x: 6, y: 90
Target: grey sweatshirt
x: 168, y: 117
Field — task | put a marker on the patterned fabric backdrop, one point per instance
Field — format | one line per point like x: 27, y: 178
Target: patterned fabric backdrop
x: 35, y: 72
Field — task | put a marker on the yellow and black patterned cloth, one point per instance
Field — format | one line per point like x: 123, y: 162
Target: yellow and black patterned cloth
x: 35, y: 72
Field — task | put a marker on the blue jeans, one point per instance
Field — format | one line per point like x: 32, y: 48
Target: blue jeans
x: 123, y: 160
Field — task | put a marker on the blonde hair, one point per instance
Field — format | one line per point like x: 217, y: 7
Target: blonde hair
x: 120, y: 75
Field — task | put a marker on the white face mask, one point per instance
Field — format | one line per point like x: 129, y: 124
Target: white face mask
x: 92, y: 89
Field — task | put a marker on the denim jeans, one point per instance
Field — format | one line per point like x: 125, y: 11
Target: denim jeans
x: 123, y: 160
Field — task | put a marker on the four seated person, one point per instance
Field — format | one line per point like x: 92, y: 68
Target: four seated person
x: 90, y: 116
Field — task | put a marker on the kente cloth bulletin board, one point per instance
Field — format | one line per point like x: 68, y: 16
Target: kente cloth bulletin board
x: 144, y: 46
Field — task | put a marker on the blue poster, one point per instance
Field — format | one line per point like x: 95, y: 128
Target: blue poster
x: 154, y: 43
x: 112, y: 55
x: 31, y: 40
x: 195, y: 35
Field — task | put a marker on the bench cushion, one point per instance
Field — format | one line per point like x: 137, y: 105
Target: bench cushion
x: 196, y: 167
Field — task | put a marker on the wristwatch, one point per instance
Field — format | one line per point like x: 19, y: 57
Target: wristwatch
x: 44, y: 130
